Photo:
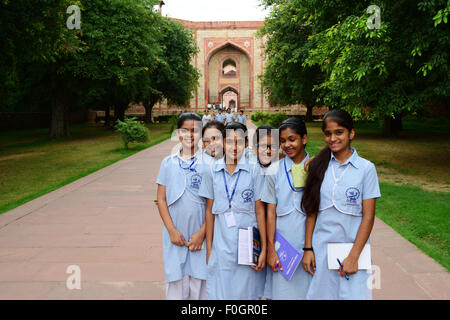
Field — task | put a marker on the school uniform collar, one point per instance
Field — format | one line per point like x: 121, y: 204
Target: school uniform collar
x: 353, y: 160
x: 290, y: 163
x: 179, y: 156
x: 241, y: 165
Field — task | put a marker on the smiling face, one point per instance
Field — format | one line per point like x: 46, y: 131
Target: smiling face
x: 337, y: 137
x: 234, y: 145
x: 189, y: 134
x: 213, y: 142
x: 292, y: 143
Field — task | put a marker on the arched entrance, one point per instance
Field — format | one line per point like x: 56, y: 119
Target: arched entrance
x: 229, y: 98
x: 228, y: 77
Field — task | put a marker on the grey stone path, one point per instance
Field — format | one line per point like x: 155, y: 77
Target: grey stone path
x: 107, y: 224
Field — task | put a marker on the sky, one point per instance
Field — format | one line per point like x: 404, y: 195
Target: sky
x: 214, y: 10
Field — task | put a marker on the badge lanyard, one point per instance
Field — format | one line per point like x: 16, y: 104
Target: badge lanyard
x: 289, y: 180
x: 190, y: 166
x: 234, y: 189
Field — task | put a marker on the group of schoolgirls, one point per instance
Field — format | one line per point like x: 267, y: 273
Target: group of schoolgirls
x: 206, y: 194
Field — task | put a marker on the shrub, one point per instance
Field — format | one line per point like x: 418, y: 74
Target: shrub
x: 256, y: 116
x: 173, y: 122
x: 132, y: 131
x: 276, y: 119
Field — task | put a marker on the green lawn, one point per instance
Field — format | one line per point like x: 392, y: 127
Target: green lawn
x: 32, y: 165
x: 414, y: 174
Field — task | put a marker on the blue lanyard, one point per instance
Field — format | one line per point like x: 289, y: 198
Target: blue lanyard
x: 226, y: 187
x: 190, y: 166
x: 289, y: 180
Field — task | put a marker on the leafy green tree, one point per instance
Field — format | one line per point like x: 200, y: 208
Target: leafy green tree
x: 285, y: 79
x: 175, y: 78
x: 396, y: 68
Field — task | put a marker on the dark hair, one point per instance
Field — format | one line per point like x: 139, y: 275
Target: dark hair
x: 241, y: 111
x: 318, y: 166
x: 214, y: 124
x: 261, y: 132
x: 187, y: 116
x: 235, y: 126
x: 295, y: 124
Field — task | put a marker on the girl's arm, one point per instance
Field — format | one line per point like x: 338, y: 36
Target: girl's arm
x: 175, y: 236
x: 350, y: 264
x: 308, y: 256
x: 272, y: 257
x: 261, y: 219
x: 209, y: 222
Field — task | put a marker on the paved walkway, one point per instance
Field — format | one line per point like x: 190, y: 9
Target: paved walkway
x: 107, y: 224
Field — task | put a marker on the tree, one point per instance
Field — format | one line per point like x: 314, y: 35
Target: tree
x: 285, y: 79
x: 174, y: 79
x: 397, y: 68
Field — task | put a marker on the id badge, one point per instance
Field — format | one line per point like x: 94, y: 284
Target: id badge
x: 229, y: 218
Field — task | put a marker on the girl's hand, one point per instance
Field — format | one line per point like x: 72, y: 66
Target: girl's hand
x: 261, y: 262
x: 177, y: 238
x: 208, y: 253
x: 350, y: 266
x: 273, y: 261
x: 308, y: 260
x: 196, y: 241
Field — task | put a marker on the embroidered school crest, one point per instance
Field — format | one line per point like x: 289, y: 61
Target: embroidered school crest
x: 352, y: 195
x: 196, y: 180
x: 247, y: 195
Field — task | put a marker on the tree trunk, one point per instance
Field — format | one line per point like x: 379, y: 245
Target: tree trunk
x: 60, y: 116
x: 148, y: 105
x: 309, y: 113
x: 391, y: 126
x: 107, y: 116
x: 119, y: 113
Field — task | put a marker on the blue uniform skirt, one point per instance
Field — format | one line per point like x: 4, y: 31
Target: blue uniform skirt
x: 292, y: 227
x: 226, y: 279
x: 333, y: 226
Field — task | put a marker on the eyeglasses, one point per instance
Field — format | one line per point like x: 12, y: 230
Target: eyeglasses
x: 267, y: 146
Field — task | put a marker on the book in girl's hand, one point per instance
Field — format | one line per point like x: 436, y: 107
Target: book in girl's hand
x: 249, y: 246
x: 289, y: 257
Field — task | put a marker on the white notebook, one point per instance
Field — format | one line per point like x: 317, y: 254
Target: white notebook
x: 245, y: 247
x: 341, y: 250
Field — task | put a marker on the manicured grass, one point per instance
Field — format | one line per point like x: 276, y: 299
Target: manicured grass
x: 420, y: 216
x: 32, y: 165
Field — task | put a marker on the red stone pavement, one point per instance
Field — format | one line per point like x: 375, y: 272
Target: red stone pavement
x: 107, y: 224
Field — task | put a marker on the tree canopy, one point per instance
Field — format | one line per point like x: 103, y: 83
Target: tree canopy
x: 124, y: 51
x: 399, y: 66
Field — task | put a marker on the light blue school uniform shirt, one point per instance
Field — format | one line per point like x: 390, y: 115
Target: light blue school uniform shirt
x: 182, y: 179
x: 343, y: 189
x: 290, y: 222
x: 241, y: 119
x: 220, y: 117
x: 229, y: 118
x: 226, y: 279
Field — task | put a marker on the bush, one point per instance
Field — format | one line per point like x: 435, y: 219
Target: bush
x: 276, y: 119
x: 256, y: 116
x: 173, y: 120
x: 132, y: 131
